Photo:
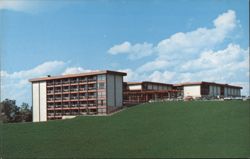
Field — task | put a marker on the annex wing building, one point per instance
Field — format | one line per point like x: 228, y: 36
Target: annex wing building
x: 104, y: 92
x: 209, y: 89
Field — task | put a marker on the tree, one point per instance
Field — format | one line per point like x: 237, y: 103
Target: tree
x: 10, y: 112
x: 25, y: 112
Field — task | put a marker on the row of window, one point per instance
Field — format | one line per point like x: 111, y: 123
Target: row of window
x: 76, y: 80
x: 76, y: 88
x: 52, y: 113
x: 76, y: 96
x: 77, y: 104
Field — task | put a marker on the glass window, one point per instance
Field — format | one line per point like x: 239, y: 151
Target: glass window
x: 101, y: 77
x: 101, y: 102
x: 101, y: 85
x: 101, y: 94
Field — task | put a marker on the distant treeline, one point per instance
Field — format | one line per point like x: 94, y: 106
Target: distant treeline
x: 11, y: 113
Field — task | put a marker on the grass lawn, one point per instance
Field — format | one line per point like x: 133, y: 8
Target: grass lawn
x: 170, y: 129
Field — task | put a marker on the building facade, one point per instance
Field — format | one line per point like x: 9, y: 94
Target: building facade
x: 60, y: 97
x: 140, y: 92
x: 209, y: 89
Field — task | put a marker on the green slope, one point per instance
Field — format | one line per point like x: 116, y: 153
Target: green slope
x: 171, y: 129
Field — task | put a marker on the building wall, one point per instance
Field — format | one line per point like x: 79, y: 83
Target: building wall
x: 39, y: 101
x: 225, y: 91
x: 35, y: 101
x: 214, y: 90
x: 115, y: 90
x: 43, y: 101
x: 134, y: 87
x: 230, y: 91
x: 150, y: 87
x: 155, y: 87
x: 119, y: 90
x: 110, y: 90
x: 194, y: 91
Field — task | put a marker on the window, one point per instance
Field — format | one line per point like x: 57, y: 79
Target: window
x: 101, y: 85
x: 101, y: 77
x: 101, y: 94
x: 101, y: 102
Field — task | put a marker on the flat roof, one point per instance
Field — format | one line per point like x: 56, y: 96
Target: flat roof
x: 203, y: 82
x: 77, y: 75
x: 148, y: 82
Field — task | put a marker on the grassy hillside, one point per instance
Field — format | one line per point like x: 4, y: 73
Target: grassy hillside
x: 171, y: 129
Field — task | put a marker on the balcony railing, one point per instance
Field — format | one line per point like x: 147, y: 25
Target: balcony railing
x: 82, y: 97
x: 58, y: 91
x: 91, y: 88
x: 82, y: 81
x: 91, y: 79
x: 73, y: 81
x: 68, y: 113
x: 75, y: 113
x: 92, y: 105
x: 65, y: 82
x: 50, y: 83
x: 50, y: 91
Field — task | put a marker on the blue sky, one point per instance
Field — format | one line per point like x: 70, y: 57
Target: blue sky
x: 159, y: 40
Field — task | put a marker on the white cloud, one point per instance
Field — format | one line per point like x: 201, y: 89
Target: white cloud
x: 154, y: 65
x: 131, y: 75
x: 16, y: 85
x: 12, y: 5
x: 74, y: 70
x: 136, y: 51
x: 120, y: 49
x: 43, y: 69
x: 226, y: 21
x: 165, y: 77
x: 194, y: 56
x: 20, y: 5
x: 180, y: 46
x: 231, y: 58
x: 32, y: 6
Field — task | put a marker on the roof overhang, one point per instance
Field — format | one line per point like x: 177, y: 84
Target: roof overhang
x: 78, y: 75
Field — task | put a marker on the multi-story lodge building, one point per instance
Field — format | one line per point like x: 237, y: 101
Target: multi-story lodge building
x: 65, y: 96
x: 103, y: 92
